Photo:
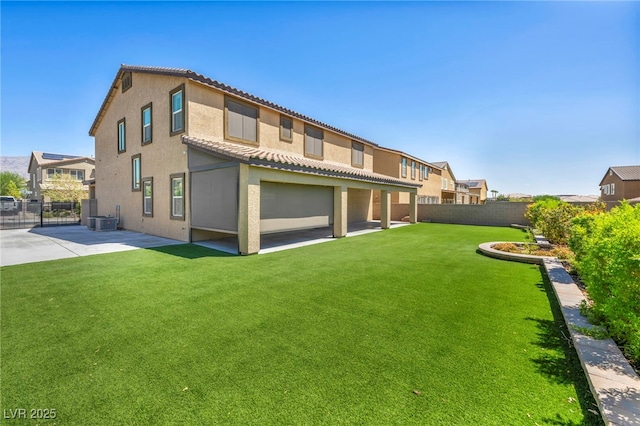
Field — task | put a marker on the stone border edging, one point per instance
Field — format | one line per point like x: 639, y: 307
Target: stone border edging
x: 487, y: 249
x: 612, y: 380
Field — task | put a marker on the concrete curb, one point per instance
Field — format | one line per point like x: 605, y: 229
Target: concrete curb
x: 613, y: 382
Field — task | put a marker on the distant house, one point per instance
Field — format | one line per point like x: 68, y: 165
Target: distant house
x: 451, y: 190
x: 477, y: 190
x: 578, y: 198
x: 620, y: 183
x: 44, y: 166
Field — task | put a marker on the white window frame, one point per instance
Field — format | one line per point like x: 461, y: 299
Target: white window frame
x: 122, y: 136
x: 74, y: 174
x: 55, y: 172
x: 177, y: 198
x: 403, y: 163
x: 177, y: 115
x: 147, y: 127
x: 136, y: 172
x: 613, y: 189
x: 147, y: 182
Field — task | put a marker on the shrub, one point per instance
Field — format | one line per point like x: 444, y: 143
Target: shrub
x: 554, y: 218
x: 607, y: 249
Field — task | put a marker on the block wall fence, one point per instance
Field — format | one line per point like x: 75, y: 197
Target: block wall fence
x: 489, y: 214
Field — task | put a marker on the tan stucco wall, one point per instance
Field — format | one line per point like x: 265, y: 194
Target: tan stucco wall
x: 359, y: 205
x: 386, y: 163
x: 206, y: 121
x: 164, y: 156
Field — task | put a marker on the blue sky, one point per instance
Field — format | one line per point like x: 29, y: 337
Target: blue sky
x: 535, y: 97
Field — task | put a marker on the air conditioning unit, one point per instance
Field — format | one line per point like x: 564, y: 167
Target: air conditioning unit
x: 106, y: 224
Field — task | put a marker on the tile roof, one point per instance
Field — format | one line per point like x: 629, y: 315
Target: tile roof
x: 42, y: 158
x: 627, y: 172
x: 191, y: 75
x: 286, y: 161
x: 473, y: 183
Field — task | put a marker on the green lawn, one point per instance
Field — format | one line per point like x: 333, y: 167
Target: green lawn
x: 335, y: 333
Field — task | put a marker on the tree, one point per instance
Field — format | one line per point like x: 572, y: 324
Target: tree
x: 11, y: 190
x: 17, y: 180
x: 64, y: 188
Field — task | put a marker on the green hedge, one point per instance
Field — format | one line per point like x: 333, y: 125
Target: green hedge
x: 607, y: 249
x: 553, y: 218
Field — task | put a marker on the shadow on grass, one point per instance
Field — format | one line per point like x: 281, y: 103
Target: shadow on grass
x: 190, y: 251
x: 559, y: 361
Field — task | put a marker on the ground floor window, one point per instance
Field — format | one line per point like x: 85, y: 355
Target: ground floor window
x: 177, y: 196
x: 147, y: 197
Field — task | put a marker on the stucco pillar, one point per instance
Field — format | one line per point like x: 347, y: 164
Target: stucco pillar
x: 340, y: 202
x: 385, y: 209
x: 413, y: 207
x: 248, y: 212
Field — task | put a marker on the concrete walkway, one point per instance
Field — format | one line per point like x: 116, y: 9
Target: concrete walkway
x: 18, y: 246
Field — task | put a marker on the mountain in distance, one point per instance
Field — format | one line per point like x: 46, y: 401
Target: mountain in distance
x: 17, y: 165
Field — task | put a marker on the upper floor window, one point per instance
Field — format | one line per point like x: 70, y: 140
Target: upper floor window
x: 357, y: 154
x: 613, y: 189
x: 313, y: 139
x: 122, y: 136
x: 135, y: 172
x: 51, y: 173
x: 404, y: 167
x: 421, y: 172
x: 445, y: 184
x: 286, y: 128
x: 126, y: 81
x: 242, y: 121
x: 177, y: 110
x: 146, y: 124
x: 77, y: 174
x: 39, y: 174
x: 426, y: 172
x: 413, y: 169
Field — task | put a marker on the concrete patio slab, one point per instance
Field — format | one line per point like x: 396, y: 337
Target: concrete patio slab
x: 19, y: 246
x: 270, y: 243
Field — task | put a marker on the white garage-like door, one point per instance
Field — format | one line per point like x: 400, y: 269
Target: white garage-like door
x: 288, y: 207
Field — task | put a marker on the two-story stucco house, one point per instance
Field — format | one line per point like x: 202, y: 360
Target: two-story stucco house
x: 477, y: 190
x: 620, y: 183
x: 186, y: 157
x: 45, y: 166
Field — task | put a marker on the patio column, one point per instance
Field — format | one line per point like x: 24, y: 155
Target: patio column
x: 248, y: 212
x: 385, y: 209
x: 413, y: 207
x: 340, y: 202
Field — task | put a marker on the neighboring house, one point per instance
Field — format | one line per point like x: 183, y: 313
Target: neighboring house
x: 578, y: 198
x: 185, y: 157
x: 620, y: 183
x: 452, y: 192
x: 402, y: 166
x: 518, y: 196
x: 44, y: 166
x: 477, y: 190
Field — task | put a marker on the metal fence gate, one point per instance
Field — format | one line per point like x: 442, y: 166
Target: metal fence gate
x: 27, y: 214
